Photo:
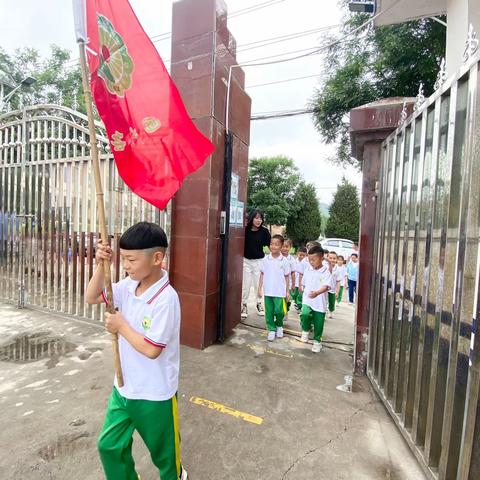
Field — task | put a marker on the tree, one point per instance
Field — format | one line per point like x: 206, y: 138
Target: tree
x: 272, y: 182
x: 384, y: 62
x: 304, y: 222
x: 58, y: 81
x: 344, y: 217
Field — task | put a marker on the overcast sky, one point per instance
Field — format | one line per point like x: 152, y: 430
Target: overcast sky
x: 42, y: 23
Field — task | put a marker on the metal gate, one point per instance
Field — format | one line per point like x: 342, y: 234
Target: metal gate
x: 424, y: 352
x: 48, y: 218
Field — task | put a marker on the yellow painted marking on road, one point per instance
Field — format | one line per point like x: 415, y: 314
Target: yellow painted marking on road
x: 256, y: 349
x: 228, y: 410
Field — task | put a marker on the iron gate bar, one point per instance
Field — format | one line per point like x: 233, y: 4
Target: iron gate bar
x: 48, y: 219
x: 425, y: 300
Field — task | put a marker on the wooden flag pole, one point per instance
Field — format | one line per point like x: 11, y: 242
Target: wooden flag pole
x: 100, y: 203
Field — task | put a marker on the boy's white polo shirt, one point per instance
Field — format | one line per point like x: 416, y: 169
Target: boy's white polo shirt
x: 335, y: 279
x: 156, y: 315
x: 341, y: 272
x: 301, y: 266
x: 274, y: 272
x: 312, y: 281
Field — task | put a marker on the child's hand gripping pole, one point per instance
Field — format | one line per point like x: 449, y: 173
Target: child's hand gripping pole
x: 111, y: 309
x: 103, y: 256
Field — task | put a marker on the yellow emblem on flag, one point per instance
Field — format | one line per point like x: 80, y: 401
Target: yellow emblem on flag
x: 151, y: 124
x: 116, y: 65
x: 117, y: 142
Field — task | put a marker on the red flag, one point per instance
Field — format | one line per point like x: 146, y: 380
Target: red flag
x: 153, y: 140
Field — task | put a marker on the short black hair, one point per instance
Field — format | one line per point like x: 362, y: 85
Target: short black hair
x: 342, y: 257
x: 331, y: 251
x: 279, y: 237
x: 144, y: 235
x: 325, y: 251
x: 316, y: 250
x: 302, y: 249
x: 287, y: 240
x: 354, y: 255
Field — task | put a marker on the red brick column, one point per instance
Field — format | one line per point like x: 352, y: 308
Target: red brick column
x: 202, y: 52
x: 369, y: 125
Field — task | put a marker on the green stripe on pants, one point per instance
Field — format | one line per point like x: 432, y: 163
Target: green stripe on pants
x: 275, y: 310
x: 157, y: 424
x: 310, y: 317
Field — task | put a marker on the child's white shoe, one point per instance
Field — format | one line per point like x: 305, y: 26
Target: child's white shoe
x: 260, y: 309
x: 244, y: 313
x: 304, y: 337
x: 279, y: 332
x: 184, y: 475
x: 317, y: 347
x: 271, y: 336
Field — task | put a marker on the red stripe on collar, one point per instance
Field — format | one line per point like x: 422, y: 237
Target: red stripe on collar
x: 159, y: 292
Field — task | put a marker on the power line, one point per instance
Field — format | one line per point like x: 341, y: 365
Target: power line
x: 282, y: 81
x: 283, y: 38
x: 281, y: 114
x: 254, y: 8
x: 325, y: 47
x: 236, y: 13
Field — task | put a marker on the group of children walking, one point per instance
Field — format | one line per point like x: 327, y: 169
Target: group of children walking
x: 313, y: 280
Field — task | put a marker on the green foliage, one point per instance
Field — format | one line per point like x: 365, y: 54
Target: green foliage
x: 344, y: 217
x: 376, y: 63
x: 272, y: 182
x: 57, y: 81
x: 304, y: 221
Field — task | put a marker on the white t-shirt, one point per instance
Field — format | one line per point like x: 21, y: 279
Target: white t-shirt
x: 312, y: 281
x: 341, y: 272
x: 301, y: 266
x: 298, y: 268
x: 335, y: 279
x: 275, y: 271
x: 292, y: 262
x: 156, y: 315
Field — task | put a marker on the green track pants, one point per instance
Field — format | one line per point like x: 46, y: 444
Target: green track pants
x: 309, y: 317
x: 157, y: 424
x: 340, y: 293
x: 275, y: 311
x: 331, y: 302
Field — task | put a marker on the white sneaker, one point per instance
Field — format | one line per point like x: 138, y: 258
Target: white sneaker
x: 304, y: 337
x: 317, y: 347
x: 330, y: 315
x: 279, y: 332
x: 260, y: 310
x: 184, y: 475
x: 244, y: 313
x: 271, y: 336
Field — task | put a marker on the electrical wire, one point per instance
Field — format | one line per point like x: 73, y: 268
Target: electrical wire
x: 248, y: 87
x: 330, y: 45
x: 284, y: 114
x: 283, y: 38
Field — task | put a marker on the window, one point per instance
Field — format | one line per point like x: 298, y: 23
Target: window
x: 333, y: 243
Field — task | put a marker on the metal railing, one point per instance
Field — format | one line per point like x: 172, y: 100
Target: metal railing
x: 424, y: 351
x: 48, y: 218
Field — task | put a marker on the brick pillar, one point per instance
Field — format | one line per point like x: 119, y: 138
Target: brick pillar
x: 369, y: 125
x: 202, y: 52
